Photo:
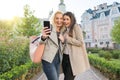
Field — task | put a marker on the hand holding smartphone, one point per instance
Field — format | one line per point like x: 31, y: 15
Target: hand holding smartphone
x: 47, y: 24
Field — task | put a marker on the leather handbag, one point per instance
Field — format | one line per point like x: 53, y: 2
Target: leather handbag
x: 36, y: 50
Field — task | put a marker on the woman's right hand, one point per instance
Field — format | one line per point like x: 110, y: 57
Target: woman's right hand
x: 45, y: 32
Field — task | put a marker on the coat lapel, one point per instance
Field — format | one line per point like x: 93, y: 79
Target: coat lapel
x: 53, y: 36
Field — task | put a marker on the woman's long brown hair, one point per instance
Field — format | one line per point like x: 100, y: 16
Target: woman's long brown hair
x: 73, y: 22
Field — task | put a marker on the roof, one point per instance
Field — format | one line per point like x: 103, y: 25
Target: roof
x: 96, y: 13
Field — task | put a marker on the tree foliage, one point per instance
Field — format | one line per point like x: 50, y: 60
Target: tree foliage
x: 6, y: 29
x: 29, y: 24
x: 115, y: 33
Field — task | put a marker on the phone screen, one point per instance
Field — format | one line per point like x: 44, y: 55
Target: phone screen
x: 46, y: 24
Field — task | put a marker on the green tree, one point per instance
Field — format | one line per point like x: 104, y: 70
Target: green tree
x: 115, y: 33
x: 29, y: 24
x: 6, y: 29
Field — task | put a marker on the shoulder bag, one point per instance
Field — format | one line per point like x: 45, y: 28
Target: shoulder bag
x: 36, y: 50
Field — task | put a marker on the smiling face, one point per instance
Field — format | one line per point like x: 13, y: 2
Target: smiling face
x: 67, y: 21
x: 58, y: 19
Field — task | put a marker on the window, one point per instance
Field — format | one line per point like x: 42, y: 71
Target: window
x: 102, y: 15
x: 101, y: 43
x: 88, y: 37
x: 114, y: 10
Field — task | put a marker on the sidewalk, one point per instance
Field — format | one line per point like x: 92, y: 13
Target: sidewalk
x: 92, y: 74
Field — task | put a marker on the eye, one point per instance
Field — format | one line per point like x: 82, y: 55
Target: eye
x: 68, y: 19
x: 56, y: 18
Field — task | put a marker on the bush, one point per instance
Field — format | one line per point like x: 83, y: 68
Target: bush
x: 106, y: 54
x: 22, y: 72
x: 93, y: 50
x: 116, y: 54
x: 15, y: 62
x: 13, y: 53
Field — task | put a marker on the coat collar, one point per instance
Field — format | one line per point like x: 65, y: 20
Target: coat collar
x: 53, y: 35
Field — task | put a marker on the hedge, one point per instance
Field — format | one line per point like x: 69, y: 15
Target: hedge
x: 110, y: 69
x: 13, y: 52
x: 22, y: 72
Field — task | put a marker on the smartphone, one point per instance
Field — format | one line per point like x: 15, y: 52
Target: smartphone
x: 46, y: 24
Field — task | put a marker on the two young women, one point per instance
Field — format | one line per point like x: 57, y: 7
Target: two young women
x: 66, y: 42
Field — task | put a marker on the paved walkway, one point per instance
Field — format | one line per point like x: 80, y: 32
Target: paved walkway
x: 92, y: 74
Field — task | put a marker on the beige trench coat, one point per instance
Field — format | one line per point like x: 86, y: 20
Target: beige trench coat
x: 78, y: 55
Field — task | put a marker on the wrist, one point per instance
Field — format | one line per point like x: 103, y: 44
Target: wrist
x: 43, y: 38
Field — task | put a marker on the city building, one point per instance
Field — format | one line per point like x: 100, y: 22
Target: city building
x: 97, y: 25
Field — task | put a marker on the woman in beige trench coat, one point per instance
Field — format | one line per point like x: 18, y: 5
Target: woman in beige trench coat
x: 75, y: 59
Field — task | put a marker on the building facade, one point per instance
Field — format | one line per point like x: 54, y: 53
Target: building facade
x: 97, y: 24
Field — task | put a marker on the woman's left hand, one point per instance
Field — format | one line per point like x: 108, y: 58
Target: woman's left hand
x: 61, y: 38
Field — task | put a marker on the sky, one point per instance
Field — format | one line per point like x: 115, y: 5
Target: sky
x: 11, y: 8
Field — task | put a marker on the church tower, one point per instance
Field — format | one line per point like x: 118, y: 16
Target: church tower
x: 62, y: 6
